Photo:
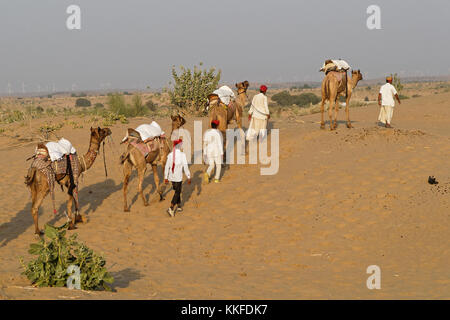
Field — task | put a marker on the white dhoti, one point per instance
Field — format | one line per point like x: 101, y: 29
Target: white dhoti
x: 257, y: 127
x: 386, y: 114
x: 214, y: 162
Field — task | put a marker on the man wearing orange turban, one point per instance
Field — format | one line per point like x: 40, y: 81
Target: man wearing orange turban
x: 386, y: 102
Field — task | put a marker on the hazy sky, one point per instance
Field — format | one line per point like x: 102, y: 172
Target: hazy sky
x: 134, y: 43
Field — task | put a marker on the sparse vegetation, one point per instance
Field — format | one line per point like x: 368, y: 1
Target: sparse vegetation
x: 397, y: 83
x: 284, y: 98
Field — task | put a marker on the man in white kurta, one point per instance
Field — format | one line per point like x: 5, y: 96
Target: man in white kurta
x: 213, y: 151
x: 258, y: 115
x: 173, y: 172
x: 387, y: 103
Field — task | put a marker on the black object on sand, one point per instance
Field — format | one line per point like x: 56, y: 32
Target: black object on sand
x: 432, y: 180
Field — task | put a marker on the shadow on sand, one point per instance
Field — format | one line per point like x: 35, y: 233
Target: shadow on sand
x: 91, y: 197
x: 123, y: 278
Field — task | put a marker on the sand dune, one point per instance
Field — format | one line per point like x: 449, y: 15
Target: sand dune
x: 341, y: 201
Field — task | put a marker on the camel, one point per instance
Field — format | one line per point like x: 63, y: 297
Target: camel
x: 226, y: 114
x: 219, y: 111
x: 134, y: 158
x: 333, y: 85
x: 37, y: 180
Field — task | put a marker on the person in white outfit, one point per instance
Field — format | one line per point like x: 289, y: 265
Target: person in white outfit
x: 258, y: 115
x: 387, y: 103
x: 173, y: 172
x: 213, y: 151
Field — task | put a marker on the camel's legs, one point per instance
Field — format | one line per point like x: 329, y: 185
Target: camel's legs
x: 37, y: 201
x: 159, y: 186
x: 336, y: 111
x: 141, y: 175
x: 330, y: 111
x: 127, y: 168
x: 69, y: 212
x: 347, y: 112
x: 322, y: 110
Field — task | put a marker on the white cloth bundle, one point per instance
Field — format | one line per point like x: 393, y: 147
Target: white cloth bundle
x: 340, y: 64
x: 57, y: 150
x: 225, y: 94
x: 149, y: 131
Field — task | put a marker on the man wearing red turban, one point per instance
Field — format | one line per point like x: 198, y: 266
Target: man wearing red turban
x: 258, y: 115
x: 173, y: 172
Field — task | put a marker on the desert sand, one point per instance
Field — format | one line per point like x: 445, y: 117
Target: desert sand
x: 340, y: 202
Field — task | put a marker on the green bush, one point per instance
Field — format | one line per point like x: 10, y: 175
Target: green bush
x: 56, y: 254
x: 118, y: 106
x: 284, y: 98
x: 151, y: 105
x: 81, y: 102
x: 191, y: 88
x: 397, y: 83
x: 98, y: 105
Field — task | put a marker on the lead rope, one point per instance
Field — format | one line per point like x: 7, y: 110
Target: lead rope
x: 104, y: 159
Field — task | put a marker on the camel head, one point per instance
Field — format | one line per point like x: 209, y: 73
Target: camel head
x: 177, y: 121
x: 242, y: 86
x: 357, y: 74
x: 99, y: 134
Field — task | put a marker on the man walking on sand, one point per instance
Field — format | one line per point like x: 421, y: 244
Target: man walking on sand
x: 386, y: 102
x: 213, y: 151
x: 173, y: 172
x: 258, y: 115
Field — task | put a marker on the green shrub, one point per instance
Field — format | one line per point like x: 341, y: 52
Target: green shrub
x: 118, y: 106
x: 81, y: 102
x: 151, y: 105
x: 138, y: 108
x: 403, y: 97
x: 284, y: 98
x: 397, y: 83
x: 98, y: 105
x: 56, y: 254
x: 191, y: 88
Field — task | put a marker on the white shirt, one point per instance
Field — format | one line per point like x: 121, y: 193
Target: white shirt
x: 259, y: 108
x: 388, y: 93
x: 180, y: 164
x: 212, y: 143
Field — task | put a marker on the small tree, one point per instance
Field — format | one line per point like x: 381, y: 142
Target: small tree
x: 191, y: 88
x: 396, y: 82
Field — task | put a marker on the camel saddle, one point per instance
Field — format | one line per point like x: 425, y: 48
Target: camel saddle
x: 43, y: 163
x: 145, y: 147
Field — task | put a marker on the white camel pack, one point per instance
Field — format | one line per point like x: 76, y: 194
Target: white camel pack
x: 147, y: 131
x: 57, y: 150
x: 225, y: 94
x: 335, y: 65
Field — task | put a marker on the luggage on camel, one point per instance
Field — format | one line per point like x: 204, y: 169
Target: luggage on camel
x: 57, y: 158
x: 334, y: 65
x: 145, y: 137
